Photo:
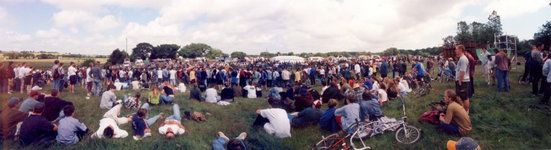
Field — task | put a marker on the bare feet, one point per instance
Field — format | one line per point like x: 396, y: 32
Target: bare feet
x: 220, y: 134
x: 242, y: 136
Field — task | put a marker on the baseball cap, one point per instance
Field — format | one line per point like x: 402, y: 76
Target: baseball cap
x: 465, y: 143
x: 13, y: 101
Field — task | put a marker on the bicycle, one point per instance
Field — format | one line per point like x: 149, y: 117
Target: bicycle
x: 424, y: 89
x: 334, y: 141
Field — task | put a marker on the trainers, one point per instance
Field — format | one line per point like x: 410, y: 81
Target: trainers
x: 222, y: 135
x: 242, y: 136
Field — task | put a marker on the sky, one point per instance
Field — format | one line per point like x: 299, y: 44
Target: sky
x: 253, y: 26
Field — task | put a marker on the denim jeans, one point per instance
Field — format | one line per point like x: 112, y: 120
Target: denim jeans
x: 219, y: 144
x: 502, y: 78
x: 96, y: 88
x: 153, y: 119
x: 450, y: 128
x: 176, y: 116
x: 167, y: 99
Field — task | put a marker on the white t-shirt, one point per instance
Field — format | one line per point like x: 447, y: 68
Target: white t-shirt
x: 251, y: 91
x: 182, y: 87
x: 462, y: 65
x: 279, y: 124
x: 118, y: 85
x: 106, y: 122
x: 375, y: 86
x: 88, y: 78
x: 172, y: 74
x: 382, y: 95
x: 159, y: 74
x: 211, y: 95
x: 71, y: 71
x: 175, y: 128
x: 135, y: 85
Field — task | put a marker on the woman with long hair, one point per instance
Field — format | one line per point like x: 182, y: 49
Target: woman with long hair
x: 456, y: 120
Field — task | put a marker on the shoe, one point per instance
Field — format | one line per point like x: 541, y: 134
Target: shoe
x: 242, y: 136
x: 222, y: 135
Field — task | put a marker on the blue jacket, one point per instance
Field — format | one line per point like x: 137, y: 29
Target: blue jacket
x: 328, y: 122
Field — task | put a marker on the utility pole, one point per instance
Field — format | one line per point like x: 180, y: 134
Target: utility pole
x: 126, y: 49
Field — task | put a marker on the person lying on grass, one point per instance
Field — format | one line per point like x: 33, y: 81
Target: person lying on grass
x: 236, y: 143
x: 172, y: 125
x: 141, y: 125
x: 108, y: 126
x: 456, y: 120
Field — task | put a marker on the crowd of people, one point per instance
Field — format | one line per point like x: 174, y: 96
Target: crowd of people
x: 364, y: 86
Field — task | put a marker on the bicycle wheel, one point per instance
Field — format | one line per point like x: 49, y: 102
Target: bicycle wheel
x: 364, y: 129
x: 413, y: 134
x: 330, y: 142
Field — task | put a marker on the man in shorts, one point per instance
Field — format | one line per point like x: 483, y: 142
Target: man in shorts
x: 462, y: 79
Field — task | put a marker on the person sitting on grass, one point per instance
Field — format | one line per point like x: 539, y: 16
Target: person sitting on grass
x: 54, y: 106
x: 274, y: 120
x: 108, y: 126
x: 133, y: 102
x: 350, y: 112
x: 36, y: 129
x: 172, y: 126
x: 108, y: 98
x: 328, y: 120
x: 141, y: 125
x: 195, y: 93
x: 455, y: 120
x: 10, y: 117
x: 308, y: 116
x: 236, y: 143
x: 28, y: 104
x: 382, y: 95
x: 168, y: 97
x: 251, y: 90
x: 227, y: 93
x: 71, y: 130
x: 211, y: 95
x: 370, y: 110
x: 154, y: 96
x: 303, y: 101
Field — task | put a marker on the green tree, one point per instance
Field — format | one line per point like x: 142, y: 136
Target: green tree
x: 544, y: 35
x: 213, y: 53
x: 194, y: 50
x: 86, y: 63
x: 117, y: 57
x: 391, y: 52
x: 141, y: 51
x: 238, y: 54
x: 267, y: 55
x: 165, y: 51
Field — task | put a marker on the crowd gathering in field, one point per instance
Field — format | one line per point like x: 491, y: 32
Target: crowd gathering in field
x: 364, y: 86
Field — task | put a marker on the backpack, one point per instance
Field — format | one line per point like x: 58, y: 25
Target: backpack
x: 430, y: 117
x: 56, y: 73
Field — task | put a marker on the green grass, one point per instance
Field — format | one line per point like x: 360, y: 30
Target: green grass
x: 500, y: 121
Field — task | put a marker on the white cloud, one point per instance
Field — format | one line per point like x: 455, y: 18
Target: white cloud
x: 48, y: 33
x: 515, y: 8
x: 89, y: 26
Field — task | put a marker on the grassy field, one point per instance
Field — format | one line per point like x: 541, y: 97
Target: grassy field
x: 500, y: 121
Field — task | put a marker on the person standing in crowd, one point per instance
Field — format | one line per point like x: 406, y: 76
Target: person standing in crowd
x: 546, y: 71
x: 72, y: 73
x: 536, y: 68
x: 484, y: 60
x: 70, y: 130
x: 502, y: 71
x: 472, y: 64
x: 462, y: 79
x: 95, y: 74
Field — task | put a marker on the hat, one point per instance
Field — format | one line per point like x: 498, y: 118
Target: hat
x: 34, y: 93
x: 317, y: 103
x: 357, y: 85
x: 36, y: 88
x: 465, y: 143
x: 13, y: 101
